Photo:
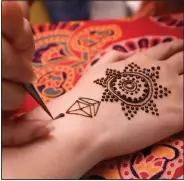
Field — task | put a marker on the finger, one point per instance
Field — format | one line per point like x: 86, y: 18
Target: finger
x: 12, y: 19
x: 8, y: 115
x: 24, y: 5
x: 14, y: 27
x: 109, y: 57
x: 25, y: 40
x: 24, y: 131
x: 112, y: 56
x: 165, y: 50
x: 14, y: 67
x: 176, y: 61
x: 12, y: 95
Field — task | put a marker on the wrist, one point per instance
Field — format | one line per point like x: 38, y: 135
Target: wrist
x: 78, y: 136
x: 69, y: 152
x: 73, y: 148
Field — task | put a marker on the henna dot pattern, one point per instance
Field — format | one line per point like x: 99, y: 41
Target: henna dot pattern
x: 135, y: 90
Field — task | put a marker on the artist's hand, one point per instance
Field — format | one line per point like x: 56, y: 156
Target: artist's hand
x: 17, y: 53
x: 24, y: 5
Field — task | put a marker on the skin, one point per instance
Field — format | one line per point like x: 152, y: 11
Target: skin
x: 78, y: 143
x: 17, y: 52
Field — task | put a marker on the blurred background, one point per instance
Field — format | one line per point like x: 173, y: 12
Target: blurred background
x: 70, y: 10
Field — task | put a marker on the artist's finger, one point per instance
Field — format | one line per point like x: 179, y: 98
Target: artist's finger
x: 14, y: 65
x: 14, y: 27
x: 176, y: 62
x: 25, y: 40
x: 8, y: 115
x: 12, y: 19
x: 24, y: 5
x: 165, y: 50
x: 24, y: 132
x: 12, y: 95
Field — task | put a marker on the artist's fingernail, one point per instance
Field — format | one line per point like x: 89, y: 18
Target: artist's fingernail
x: 43, y: 131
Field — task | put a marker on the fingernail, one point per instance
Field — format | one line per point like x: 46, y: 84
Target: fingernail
x: 43, y: 131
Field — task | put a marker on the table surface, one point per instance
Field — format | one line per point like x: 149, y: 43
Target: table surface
x: 64, y: 49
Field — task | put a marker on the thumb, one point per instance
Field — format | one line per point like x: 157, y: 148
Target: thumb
x: 15, y: 27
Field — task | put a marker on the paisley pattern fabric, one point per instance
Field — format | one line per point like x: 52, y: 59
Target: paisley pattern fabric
x: 65, y: 49
x: 170, y: 21
x: 133, y: 44
x: 161, y: 161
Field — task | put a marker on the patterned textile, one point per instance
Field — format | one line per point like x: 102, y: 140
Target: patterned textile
x: 64, y: 49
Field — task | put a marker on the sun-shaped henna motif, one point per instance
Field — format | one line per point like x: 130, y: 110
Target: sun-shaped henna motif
x: 135, y: 88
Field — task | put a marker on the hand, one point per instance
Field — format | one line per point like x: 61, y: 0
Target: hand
x: 17, y: 53
x: 122, y: 135
x: 90, y: 136
x: 121, y: 129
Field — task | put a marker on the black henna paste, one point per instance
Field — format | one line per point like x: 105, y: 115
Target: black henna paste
x: 84, y: 107
x: 59, y: 116
x: 134, y: 87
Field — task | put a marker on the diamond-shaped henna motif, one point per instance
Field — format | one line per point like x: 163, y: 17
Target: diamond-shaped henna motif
x: 85, y: 107
x: 95, y: 104
x: 80, y: 108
